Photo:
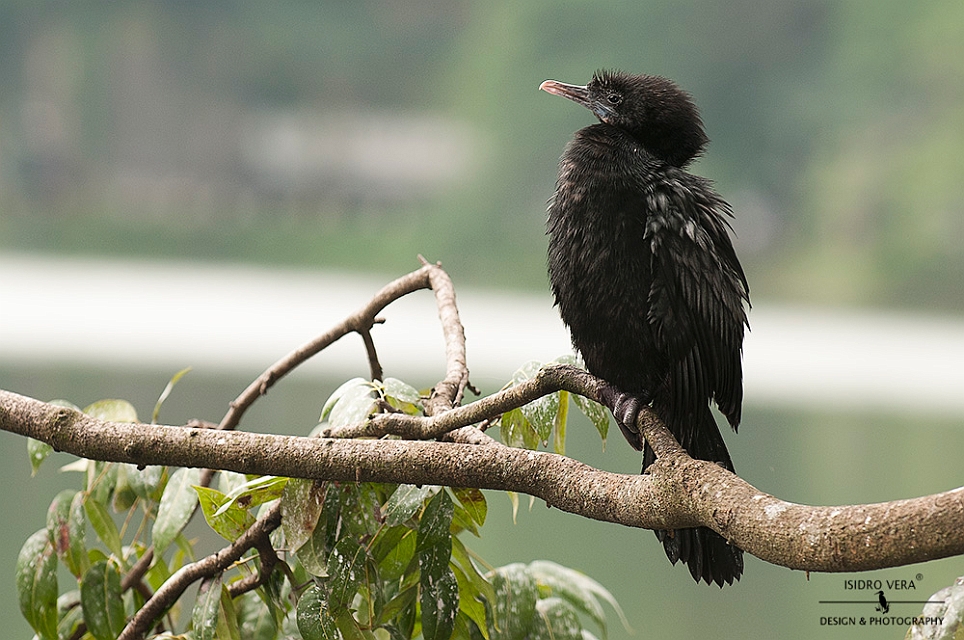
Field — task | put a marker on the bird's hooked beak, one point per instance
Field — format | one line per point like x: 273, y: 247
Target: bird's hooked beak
x: 579, y: 95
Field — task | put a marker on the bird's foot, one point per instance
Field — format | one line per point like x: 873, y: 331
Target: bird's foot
x: 625, y: 408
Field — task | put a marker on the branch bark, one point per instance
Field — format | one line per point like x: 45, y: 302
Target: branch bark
x: 678, y: 492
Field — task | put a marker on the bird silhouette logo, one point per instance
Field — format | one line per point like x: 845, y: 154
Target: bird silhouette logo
x: 884, y: 606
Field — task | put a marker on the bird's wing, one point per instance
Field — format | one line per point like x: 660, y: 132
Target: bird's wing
x: 696, y: 301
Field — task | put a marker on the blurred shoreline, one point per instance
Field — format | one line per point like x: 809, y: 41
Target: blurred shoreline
x: 240, y: 319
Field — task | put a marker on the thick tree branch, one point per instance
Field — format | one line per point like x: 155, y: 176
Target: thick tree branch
x: 679, y: 491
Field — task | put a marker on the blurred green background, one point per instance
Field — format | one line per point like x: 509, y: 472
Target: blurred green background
x: 353, y: 136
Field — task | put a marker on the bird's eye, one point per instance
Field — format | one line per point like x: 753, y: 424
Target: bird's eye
x: 614, y: 98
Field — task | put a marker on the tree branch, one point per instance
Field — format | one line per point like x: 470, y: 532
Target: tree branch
x: 360, y: 322
x: 211, y: 565
x: 678, y: 492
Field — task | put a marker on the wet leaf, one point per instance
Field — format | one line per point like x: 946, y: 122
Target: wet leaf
x: 37, y: 452
x: 597, y: 414
x: 204, y: 617
x: 100, y: 597
x: 517, y: 431
x: 177, y: 504
x: 350, y: 403
x: 167, y: 391
x: 439, y: 600
x: 559, y: 424
x: 103, y: 525
x: 315, y: 621
x: 256, y: 491
x: 302, y: 502
x: 470, y: 602
x: 67, y: 527
x: 439, y: 592
x: 112, y: 411
x: 515, y: 601
x: 36, y: 575
x: 556, y: 620
x: 145, y: 483
x: 579, y: 590
x: 346, y: 571
x: 255, y: 619
x: 473, y: 500
x: 405, y: 502
x: 222, y: 514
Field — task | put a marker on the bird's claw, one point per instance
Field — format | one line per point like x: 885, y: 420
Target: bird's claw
x: 625, y: 408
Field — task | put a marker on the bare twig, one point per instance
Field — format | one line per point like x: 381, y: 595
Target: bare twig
x: 360, y: 322
x: 373, y: 364
x: 213, y: 564
x: 448, y: 392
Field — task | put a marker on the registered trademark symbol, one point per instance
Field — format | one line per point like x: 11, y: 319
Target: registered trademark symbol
x: 919, y: 576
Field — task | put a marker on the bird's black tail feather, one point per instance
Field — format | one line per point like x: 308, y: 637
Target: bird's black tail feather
x: 707, y: 554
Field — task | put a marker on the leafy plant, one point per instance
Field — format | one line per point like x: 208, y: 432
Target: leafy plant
x: 349, y: 560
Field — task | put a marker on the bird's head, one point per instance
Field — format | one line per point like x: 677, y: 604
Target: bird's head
x: 652, y: 109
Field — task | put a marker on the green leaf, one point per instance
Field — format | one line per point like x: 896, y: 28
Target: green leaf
x: 315, y: 621
x: 167, y: 391
x: 559, y: 425
x: 531, y: 424
x: 222, y: 514
x: 37, y: 451
x: 313, y: 554
x: 402, y: 396
x: 255, y: 619
x: 597, y: 414
x: 541, y: 414
x: 104, y: 526
x: 348, y: 626
x: 440, y: 604
x: 405, y: 502
x: 515, y: 601
x: 101, y: 479
x: 71, y: 614
x: 350, y: 403
x: 206, y: 609
x: 517, y: 431
x: 394, y: 608
x: 227, y: 617
x: 439, y: 590
x: 67, y: 527
x: 479, y: 585
x: 470, y: 602
x: 302, y: 502
x: 556, y: 621
x: 100, y: 597
x: 228, y: 481
x: 37, y: 584
x: 392, y: 550
x: 145, y: 483
x: 177, y: 504
x: 256, y: 491
x: 361, y: 508
x: 578, y: 589
x: 434, y: 526
x: 124, y: 495
x: 473, y: 500
x: 346, y: 571
x: 112, y: 411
